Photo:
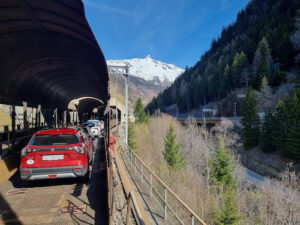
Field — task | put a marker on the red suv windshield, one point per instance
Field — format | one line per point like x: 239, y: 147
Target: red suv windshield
x: 48, y: 139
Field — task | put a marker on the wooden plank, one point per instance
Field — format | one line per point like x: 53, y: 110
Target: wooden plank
x: 8, y: 167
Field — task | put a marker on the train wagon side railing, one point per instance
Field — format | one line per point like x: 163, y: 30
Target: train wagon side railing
x: 115, y: 167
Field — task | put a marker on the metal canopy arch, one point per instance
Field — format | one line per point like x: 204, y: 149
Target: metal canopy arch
x: 87, y: 104
x: 49, y: 55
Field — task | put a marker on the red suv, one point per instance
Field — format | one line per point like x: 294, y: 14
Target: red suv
x: 56, y: 153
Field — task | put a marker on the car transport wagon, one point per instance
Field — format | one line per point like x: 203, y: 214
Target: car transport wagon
x: 56, y: 153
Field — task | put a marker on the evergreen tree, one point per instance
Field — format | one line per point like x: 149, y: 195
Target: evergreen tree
x: 261, y: 73
x: 265, y: 88
x: 274, y: 20
x: 277, y: 78
x: 131, y: 136
x: 286, y: 52
x: 227, y: 78
x: 173, y: 154
x: 297, y: 87
x: 292, y: 136
x: 221, y: 167
x: 229, y: 215
x: 261, y: 63
x: 250, y: 121
x: 139, y: 111
x: 278, y: 132
x: 152, y: 106
x: 240, y: 62
x: 266, y: 139
x: 222, y: 181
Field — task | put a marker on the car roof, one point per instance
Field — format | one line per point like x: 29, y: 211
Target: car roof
x: 57, y: 131
x: 93, y: 121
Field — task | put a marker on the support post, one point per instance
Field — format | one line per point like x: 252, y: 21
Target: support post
x: 192, y: 220
x: 13, y: 127
x: 150, y: 188
x: 65, y: 118
x: 165, y: 203
x: 38, y: 117
x: 25, y: 122
x: 76, y: 117
x: 116, y: 97
x: 55, y: 115
x: 72, y: 118
x: 126, y: 105
x: 32, y: 111
x: 141, y: 172
x: 135, y: 164
x: 68, y: 118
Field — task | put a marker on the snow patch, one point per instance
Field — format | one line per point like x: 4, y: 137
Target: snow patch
x: 149, y: 68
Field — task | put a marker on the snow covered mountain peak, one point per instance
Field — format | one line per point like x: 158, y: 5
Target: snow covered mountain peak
x: 149, y: 69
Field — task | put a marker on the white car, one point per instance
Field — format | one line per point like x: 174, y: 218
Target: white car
x: 96, y: 131
x: 96, y: 128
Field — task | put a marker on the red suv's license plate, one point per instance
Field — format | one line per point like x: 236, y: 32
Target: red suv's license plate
x: 53, y: 157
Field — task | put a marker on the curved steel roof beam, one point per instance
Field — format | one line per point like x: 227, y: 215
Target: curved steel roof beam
x: 48, y: 53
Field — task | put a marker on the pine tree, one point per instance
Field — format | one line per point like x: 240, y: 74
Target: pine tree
x: 265, y: 88
x: 286, y: 52
x: 261, y: 73
x: 250, y: 121
x: 266, y: 139
x: 223, y: 182
x: 279, y: 129
x: 297, y: 87
x: 227, y: 77
x: 173, y: 154
x: 240, y: 62
x: 277, y: 78
x: 221, y: 167
x: 292, y: 136
x: 229, y: 215
x: 261, y: 63
x: 139, y: 111
x: 131, y: 136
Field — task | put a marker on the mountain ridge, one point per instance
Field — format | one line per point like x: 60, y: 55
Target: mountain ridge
x: 263, y: 42
x: 148, y: 77
x: 149, y: 69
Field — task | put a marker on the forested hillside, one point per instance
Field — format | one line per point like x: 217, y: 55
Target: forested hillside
x: 260, y: 47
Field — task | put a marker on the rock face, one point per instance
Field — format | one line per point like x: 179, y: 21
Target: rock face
x: 148, y: 76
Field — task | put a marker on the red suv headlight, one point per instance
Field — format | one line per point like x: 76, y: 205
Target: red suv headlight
x: 25, y: 151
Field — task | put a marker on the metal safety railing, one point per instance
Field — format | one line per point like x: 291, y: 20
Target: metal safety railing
x: 133, y: 208
x: 173, y: 209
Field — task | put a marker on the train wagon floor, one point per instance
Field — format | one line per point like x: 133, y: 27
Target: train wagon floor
x: 60, y: 201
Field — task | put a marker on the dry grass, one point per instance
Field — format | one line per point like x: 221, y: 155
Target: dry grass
x: 277, y: 202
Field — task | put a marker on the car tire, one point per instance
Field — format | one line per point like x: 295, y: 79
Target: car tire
x: 26, y: 183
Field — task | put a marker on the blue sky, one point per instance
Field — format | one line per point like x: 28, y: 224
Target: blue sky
x: 173, y: 31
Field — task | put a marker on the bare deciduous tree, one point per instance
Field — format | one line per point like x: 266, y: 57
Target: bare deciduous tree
x: 276, y: 202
